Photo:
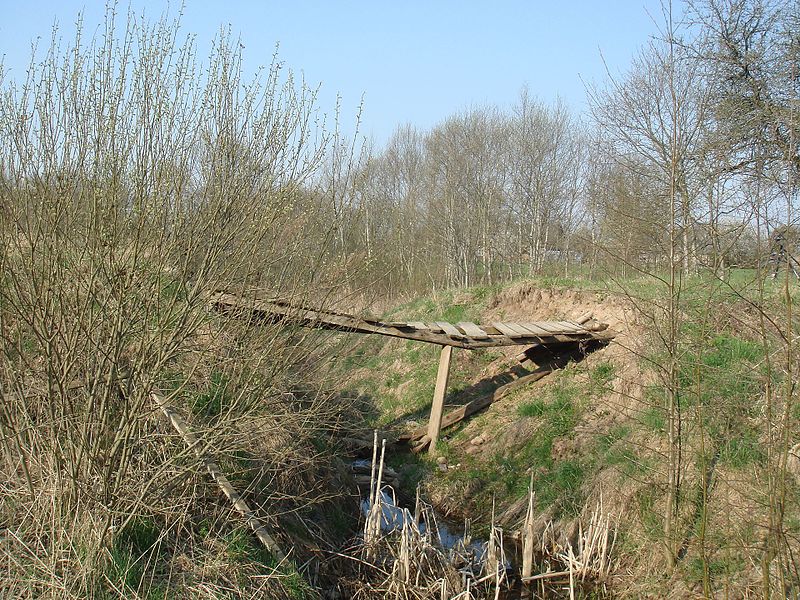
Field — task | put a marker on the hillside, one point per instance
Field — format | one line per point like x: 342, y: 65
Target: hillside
x: 594, y: 434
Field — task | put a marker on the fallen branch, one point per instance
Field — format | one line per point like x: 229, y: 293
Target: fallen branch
x: 213, y: 469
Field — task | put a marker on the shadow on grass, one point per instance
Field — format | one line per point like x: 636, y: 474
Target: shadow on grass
x: 544, y: 359
x: 459, y: 396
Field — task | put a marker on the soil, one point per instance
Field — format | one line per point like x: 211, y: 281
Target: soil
x: 525, y: 302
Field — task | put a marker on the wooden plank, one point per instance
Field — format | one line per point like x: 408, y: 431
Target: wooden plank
x: 560, y: 333
x: 564, y: 327
x: 472, y: 330
x: 508, y: 331
x: 421, y: 445
x: 549, y: 327
x: 435, y: 333
x: 450, y: 329
x: 570, y: 327
x: 533, y: 351
x: 535, y: 329
x: 532, y: 330
x: 443, y: 374
x: 520, y: 329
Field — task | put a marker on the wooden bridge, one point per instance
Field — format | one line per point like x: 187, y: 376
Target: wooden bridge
x: 460, y: 335
x: 549, y: 335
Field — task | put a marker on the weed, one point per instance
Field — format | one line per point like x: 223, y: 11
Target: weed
x: 534, y: 408
x: 130, y: 547
x: 173, y: 289
x: 412, y: 466
x: 653, y: 418
x: 557, y: 482
x: 717, y: 567
x: 243, y: 549
x: 650, y: 518
x: 482, y: 293
x: 563, y: 486
x: 612, y: 451
x: 139, y: 536
x: 457, y: 312
x: 393, y: 380
x: 605, y: 442
x: 211, y: 403
x: 603, y: 373
x: 742, y: 451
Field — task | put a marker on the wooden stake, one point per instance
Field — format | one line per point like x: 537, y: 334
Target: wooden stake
x: 439, y: 393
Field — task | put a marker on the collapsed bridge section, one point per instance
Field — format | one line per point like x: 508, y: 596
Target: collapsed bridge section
x: 459, y: 335
x: 556, y: 341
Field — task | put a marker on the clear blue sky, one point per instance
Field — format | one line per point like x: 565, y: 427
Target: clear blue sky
x: 413, y: 61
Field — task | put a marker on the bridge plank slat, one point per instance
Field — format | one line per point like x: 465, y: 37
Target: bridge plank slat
x: 508, y: 331
x: 520, y: 329
x: 472, y: 330
x: 570, y: 326
x: 449, y: 329
x: 549, y: 326
x: 531, y: 331
x: 535, y: 329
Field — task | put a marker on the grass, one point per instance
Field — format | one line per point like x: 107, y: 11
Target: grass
x: 613, y: 449
x: 214, y: 400
x: 364, y: 355
x: 137, y: 550
x: 696, y: 288
x: 740, y: 452
x: 650, y: 517
x: 534, y: 408
x: 242, y: 548
x: 603, y: 373
x: 723, y: 377
x: 557, y: 482
x: 133, y: 548
x: 450, y: 305
x: 558, y: 405
x: 654, y: 419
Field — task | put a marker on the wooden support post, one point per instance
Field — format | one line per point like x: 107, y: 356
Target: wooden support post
x: 435, y: 422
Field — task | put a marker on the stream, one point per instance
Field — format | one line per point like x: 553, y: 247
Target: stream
x: 445, y: 536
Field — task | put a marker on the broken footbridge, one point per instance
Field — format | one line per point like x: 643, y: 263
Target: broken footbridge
x: 550, y: 344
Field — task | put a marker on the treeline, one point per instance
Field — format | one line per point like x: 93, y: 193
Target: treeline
x: 709, y: 108
x: 482, y: 197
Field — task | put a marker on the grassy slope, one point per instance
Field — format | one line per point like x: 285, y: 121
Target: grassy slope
x: 597, y: 429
